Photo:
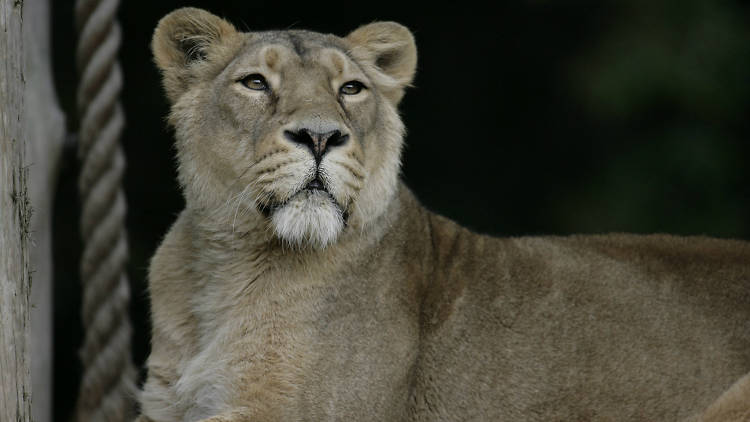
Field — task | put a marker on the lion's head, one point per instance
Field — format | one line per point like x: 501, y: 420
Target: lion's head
x: 298, y: 130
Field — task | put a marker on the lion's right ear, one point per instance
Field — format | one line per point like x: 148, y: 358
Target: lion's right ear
x: 185, y: 44
x: 389, y: 47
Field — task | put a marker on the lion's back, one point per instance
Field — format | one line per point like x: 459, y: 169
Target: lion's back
x: 619, y: 327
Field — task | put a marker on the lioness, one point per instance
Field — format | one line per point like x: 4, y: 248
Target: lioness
x: 303, y: 281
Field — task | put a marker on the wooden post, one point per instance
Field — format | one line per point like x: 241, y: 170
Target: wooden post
x: 15, y: 216
x: 45, y: 133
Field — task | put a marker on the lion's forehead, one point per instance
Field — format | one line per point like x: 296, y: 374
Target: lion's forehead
x: 297, y: 49
x: 303, y: 44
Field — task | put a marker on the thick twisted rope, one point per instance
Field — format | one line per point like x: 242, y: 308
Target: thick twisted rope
x: 108, y: 382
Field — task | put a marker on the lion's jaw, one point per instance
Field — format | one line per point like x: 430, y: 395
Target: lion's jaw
x: 309, y: 218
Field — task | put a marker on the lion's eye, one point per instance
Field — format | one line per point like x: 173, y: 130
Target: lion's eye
x: 352, y: 88
x: 255, y: 82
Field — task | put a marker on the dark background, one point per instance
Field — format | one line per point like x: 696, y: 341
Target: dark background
x: 531, y: 117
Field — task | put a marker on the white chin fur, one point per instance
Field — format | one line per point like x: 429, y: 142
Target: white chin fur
x: 308, y: 218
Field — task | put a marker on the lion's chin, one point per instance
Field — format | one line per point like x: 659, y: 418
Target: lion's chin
x: 309, y: 218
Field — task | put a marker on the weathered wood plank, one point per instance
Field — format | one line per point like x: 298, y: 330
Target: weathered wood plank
x: 15, y: 215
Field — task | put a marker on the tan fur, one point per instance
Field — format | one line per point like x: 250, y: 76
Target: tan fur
x: 400, y: 315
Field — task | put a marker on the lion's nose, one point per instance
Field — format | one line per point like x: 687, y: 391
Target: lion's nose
x: 318, y: 143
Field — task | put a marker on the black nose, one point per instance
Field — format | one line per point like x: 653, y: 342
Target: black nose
x: 318, y: 143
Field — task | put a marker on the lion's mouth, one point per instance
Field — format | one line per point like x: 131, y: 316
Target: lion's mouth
x: 314, y: 187
x: 316, y: 184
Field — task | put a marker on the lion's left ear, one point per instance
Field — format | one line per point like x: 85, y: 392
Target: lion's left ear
x: 390, y: 48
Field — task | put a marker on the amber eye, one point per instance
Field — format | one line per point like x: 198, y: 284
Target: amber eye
x: 352, y: 88
x: 255, y: 82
